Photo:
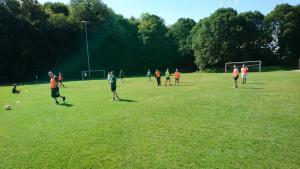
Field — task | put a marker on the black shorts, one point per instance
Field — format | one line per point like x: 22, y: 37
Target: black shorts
x: 55, y: 92
x: 113, y: 88
x: 167, y: 78
x: 236, y: 78
x: 60, y: 81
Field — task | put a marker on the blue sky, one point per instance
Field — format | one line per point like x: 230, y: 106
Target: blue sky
x: 171, y: 10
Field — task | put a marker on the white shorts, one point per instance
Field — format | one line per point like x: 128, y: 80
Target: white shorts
x: 244, y: 76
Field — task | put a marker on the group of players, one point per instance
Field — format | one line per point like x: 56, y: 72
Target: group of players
x: 57, y: 82
x: 167, y: 75
x: 244, y: 71
x: 112, y: 80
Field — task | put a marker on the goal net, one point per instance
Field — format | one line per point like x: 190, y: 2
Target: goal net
x: 93, y: 74
x: 250, y: 64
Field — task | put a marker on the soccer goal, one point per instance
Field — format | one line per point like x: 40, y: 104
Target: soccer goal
x: 254, y: 64
x: 93, y: 74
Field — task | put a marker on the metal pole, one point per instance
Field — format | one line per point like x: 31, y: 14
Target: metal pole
x: 87, y: 50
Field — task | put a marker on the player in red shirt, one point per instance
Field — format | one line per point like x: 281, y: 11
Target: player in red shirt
x: 177, y: 77
x: 55, y: 88
x: 235, y: 76
x: 244, y: 71
x: 60, y: 80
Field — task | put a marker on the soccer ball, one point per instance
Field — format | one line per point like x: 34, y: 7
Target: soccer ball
x: 7, y: 107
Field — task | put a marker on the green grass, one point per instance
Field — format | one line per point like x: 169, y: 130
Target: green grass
x: 204, y: 123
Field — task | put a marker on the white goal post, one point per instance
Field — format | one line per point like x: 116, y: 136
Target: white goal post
x: 247, y: 63
x: 96, y: 74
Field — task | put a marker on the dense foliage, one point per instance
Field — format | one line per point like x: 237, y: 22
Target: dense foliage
x: 35, y: 38
x: 229, y: 36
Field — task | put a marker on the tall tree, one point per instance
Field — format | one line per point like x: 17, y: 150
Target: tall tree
x: 253, y: 40
x: 152, y: 34
x: 35, y: 38
x: 180, y: 32
x: 284, y: 25
x: 94, y: 11
x: 213, y: 39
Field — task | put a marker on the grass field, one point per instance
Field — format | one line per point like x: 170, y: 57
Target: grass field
x: 203, y: 123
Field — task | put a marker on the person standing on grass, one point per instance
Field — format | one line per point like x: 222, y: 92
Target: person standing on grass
x: 113, y: 86
x: 149, y: 75
x: 55, y: 88
x: 121, y: 75
x: 60, y: 80
x: 167, y: 74
x: 177, y: 77
x: 36, y: 78
x: 235, y: 76
x: 85, y: 75
x: 157, y: 76
x: 15, y: 90
x: 244, y: 71
x: 109, y: 76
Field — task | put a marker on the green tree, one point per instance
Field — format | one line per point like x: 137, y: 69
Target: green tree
x: 152, y: 34
x: 253, y: 41
x: 56, y: 8
x: 21, y: 42
x: 284, y: 26
x: 94, y: 11
x: 214, y: 39
x: 180, y: 32
x: 35, y: 38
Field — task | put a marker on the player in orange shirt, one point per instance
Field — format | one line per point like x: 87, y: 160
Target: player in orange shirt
x: 244, y: 71
x: 60, y: 80
x: 55, y: 88
x: 157, y: 76
x: 177, y: 77
x: 235, y: 76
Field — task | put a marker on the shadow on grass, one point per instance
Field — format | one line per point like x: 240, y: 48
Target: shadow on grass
x: 66, y: 104
x: 183, y: 85
x: 127, y: 100
x: 254, y: 88
x: 256, y: 83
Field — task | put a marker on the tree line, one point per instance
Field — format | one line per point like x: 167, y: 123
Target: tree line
x: 35, y: 38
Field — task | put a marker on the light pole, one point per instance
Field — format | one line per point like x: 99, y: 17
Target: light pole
x: 87, y: 47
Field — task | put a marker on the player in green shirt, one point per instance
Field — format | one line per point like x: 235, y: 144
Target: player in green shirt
x: 113, y: 86
x: 167, y: 74
x: 121, y: 75
x: 149, y: 75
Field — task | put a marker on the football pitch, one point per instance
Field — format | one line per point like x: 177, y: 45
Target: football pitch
x: 202, y: 123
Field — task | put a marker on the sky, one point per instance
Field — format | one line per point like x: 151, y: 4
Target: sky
x: 172, y: 10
